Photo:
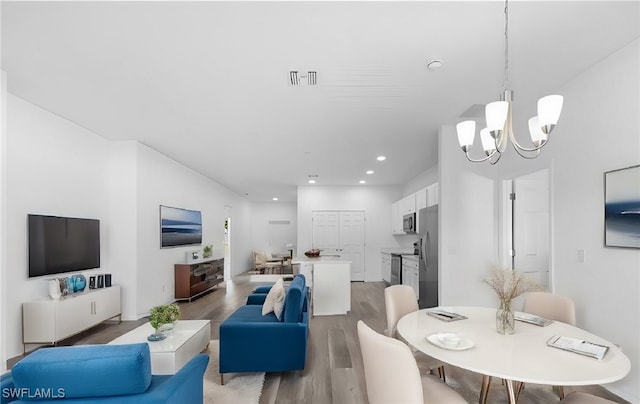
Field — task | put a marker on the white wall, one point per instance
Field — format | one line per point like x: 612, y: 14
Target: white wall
x: 422, y: 180
x: 269, y: 228
x: 56, y: 167
x: 599, y: 130
x: 375, y: 201
x: 3, y: 216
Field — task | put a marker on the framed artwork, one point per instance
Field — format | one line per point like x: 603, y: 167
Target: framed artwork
x: 622, y: 207
x: 179, y: 227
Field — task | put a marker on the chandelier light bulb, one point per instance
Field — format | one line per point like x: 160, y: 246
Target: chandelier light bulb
x: 488, y: 142
x: 538, y: 137
x: 549, y: 109
x: 496, y: 115
x: 466, y: 132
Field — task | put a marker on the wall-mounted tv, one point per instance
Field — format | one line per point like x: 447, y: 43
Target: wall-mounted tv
x: 179, y: 227
x: 62, y: 244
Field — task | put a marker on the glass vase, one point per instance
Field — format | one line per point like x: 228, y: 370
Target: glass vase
x: 505, y: 322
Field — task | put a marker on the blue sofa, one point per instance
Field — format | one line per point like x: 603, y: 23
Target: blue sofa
x: 251, y: 342
x: 100, y: 374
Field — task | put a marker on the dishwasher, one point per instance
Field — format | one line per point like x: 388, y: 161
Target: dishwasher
x: 396, y: 269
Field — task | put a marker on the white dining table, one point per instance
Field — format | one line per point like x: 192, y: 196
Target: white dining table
x: 520, y: 357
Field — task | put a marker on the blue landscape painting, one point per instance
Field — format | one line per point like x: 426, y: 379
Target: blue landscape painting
x: 622, y: 208
x: 180, y: 226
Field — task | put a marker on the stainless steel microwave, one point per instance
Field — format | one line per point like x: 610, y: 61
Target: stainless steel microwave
x: 409, y: 223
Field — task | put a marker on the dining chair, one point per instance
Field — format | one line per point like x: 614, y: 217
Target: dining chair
x: 579, y: 397
x: 400, y: 300
x: 392, y: 375
x: 552, y: 307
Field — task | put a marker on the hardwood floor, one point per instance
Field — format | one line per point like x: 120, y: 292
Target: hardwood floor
x: 334, y: 371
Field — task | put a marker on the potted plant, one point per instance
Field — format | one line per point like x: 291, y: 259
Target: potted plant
x: 163, y: 318
x: 207, y: 251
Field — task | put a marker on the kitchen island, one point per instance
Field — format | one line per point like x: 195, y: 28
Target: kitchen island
x: 329, y: 279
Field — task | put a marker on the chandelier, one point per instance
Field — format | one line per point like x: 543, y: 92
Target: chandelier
x: 499, y: 132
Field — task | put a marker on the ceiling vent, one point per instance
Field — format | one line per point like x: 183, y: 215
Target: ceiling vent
x: 297, y: 78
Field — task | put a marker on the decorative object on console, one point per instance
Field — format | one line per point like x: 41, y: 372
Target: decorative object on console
x: 498, y: 114
x: 54, y: 289
x: 92, y: 282
x: 107, y: 280
x: 76, y: 283
x: 508, y: 284
x: 622, y: 207
x: 162, y: 318
x: 100, y: 282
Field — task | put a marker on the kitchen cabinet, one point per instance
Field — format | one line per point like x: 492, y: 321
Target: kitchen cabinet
x: 396, y: 218
x: 421, y: 199
x: 385, y: 267
x: 433, y: 194
x: 410, y: 275
x: 408, y: 205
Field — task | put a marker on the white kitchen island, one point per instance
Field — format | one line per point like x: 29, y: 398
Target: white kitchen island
x: 330, y: 281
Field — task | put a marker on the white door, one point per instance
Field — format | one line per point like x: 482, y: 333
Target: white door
x: 531, y: 225
x: 352, y: 242
x: 326, y: 232
x: 341, y: 233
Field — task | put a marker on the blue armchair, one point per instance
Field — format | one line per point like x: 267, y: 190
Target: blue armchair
x: 100, y: 374
x: 251, y: 342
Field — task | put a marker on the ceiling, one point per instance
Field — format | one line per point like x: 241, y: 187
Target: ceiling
x: 207, y: 83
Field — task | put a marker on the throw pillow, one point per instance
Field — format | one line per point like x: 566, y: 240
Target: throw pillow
x: 275, y: 295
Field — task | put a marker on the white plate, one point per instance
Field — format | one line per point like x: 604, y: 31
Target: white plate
x: 449, y: 340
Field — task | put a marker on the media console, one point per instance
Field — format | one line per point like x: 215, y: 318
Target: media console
x: 196, y: 278
x: 47, y: 321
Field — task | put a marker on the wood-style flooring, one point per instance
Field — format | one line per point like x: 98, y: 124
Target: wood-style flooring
x: 334, y: 372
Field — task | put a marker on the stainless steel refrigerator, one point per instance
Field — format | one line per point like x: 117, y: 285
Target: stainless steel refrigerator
x: 428, y: 257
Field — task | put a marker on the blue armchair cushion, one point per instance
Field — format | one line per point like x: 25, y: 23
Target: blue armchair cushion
x: 86, y: 370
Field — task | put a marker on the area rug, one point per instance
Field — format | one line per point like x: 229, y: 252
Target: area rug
x: 238, y: 388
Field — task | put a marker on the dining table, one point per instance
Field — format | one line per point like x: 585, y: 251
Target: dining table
x: 472, y: 343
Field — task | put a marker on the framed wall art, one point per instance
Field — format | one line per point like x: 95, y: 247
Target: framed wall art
x: 179, y: 227
x: 622, y: 207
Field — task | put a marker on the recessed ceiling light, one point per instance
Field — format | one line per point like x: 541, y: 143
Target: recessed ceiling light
x: 312, y: 181
x: 381, y: 158
x: 369, y: 172
x: 363, y: 181
x: 434, y: 65
x: 274, y: 198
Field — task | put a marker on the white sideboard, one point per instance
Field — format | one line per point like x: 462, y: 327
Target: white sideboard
x: 49, y: 321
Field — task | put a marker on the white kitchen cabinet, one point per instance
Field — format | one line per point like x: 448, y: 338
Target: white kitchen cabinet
x: 410, y: 275
x: 433, y: 194
x: 396, y: 218
x: 408, y: 205
x: 421, y: 199
x: 49, y: 321
x: 385, y: 267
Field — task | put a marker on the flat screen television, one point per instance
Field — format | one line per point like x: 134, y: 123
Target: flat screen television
x: 62, y: 244
x: 179, y: 227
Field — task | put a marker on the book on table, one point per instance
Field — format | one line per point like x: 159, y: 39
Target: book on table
x: 532, y: 319
x: 445, y: 315
x: 578, y: 346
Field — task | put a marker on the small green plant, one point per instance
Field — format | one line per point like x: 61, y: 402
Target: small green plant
x: 207, y: 251
x: 164, y: 314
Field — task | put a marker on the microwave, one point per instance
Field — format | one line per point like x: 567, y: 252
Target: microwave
x: 409, y: 223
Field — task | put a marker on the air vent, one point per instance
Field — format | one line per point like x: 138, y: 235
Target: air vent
x: 297, y: 78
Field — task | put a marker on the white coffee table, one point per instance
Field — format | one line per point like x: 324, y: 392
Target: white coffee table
x: 186, y: 340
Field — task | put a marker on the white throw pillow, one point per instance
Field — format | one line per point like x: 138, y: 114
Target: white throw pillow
x: 274, y: 300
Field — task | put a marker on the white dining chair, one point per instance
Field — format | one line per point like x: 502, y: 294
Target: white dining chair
x: 392, y: 376
x: 579, y: 397
x: 552, y: 307
x: 400, y: 300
